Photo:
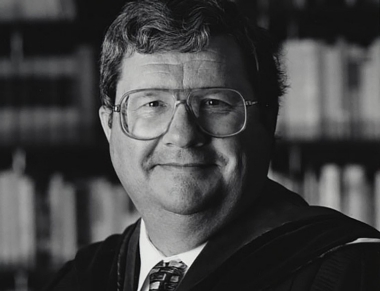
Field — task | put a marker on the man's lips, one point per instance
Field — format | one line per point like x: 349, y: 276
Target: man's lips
x: 185, y: 160
x: 185, y: 165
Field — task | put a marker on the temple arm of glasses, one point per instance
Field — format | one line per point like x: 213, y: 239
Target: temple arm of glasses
x: 250, y: 102
x: 116, y: 108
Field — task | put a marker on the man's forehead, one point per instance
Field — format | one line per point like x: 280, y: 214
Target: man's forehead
x: 220, y: 49
x: 169, y: 71
x: 174, y: 59
x: 220, y: 64
x: 177, y: 59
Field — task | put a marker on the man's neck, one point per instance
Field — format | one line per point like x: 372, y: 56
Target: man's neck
x: 173, y: 233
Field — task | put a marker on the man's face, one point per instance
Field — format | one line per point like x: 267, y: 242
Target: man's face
x: 185, y: 171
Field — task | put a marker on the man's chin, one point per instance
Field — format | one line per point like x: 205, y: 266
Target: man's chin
x: 188, y: 201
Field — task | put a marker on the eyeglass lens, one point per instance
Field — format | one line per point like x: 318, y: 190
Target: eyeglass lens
x: 147, y: 114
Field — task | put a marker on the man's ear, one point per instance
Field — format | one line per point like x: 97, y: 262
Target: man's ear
x: 105, y: 115
x: 269, y: 118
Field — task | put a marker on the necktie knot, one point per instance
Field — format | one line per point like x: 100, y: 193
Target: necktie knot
x: 165, y: 276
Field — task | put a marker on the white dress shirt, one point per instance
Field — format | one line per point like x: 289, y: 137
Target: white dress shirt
x: 150, y: 256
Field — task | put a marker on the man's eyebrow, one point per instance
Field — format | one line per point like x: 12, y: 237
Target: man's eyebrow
x: 163, y: 63
x: 155, y: 72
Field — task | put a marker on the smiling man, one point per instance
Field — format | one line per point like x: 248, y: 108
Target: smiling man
x: 175, y: 145
x: 190, y: 98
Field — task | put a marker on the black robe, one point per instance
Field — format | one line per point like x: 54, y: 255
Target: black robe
x: 279, y: 244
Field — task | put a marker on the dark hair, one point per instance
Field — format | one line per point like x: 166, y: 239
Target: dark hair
x: 151, y: 26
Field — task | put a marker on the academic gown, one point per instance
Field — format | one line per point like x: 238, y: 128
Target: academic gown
x: 278, y: 244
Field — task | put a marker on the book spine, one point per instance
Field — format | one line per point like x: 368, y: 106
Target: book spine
x: 330, y: 187
x: 4, y: 188
x: 301, y: 112
x: 357, y: 195
x: 63, y: 231
x: 335, y: 118
x: 86, y: 93
x: 369, y: 101
x: 27, y: 215
x: 311, y: 187
x: 376, y: 194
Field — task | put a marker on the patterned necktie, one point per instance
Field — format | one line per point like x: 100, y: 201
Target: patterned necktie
x: 165, y: 276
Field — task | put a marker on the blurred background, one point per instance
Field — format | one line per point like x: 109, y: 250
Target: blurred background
x: 58, y: 190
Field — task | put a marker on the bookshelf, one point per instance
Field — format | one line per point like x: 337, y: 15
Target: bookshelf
x: 47, y: 99
x: 334, y: 91
x: 47, y: 106
x: 344, y: 175
x: 53, y: 150
x: 20, y: 10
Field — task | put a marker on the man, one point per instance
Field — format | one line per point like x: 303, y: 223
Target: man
x: 190, y: 98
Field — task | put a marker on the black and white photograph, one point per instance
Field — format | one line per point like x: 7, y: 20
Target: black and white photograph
x: 189, y: 145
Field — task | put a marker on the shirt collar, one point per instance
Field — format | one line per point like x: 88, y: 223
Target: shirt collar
x: 150, y: 255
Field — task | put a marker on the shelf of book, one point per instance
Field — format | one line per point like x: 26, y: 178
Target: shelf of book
x: 24, y: 10
x: 334, y: 91
x: 48, y: 100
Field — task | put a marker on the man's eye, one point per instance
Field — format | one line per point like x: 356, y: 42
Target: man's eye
x: 213, y: 102
x: 154, y: 104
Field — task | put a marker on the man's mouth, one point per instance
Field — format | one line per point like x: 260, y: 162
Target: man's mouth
x: 185, y: 166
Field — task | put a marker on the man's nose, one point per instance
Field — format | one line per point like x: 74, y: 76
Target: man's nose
x: 183, y: 131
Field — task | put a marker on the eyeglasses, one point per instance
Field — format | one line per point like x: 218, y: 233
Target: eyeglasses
x: 146, y: 114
